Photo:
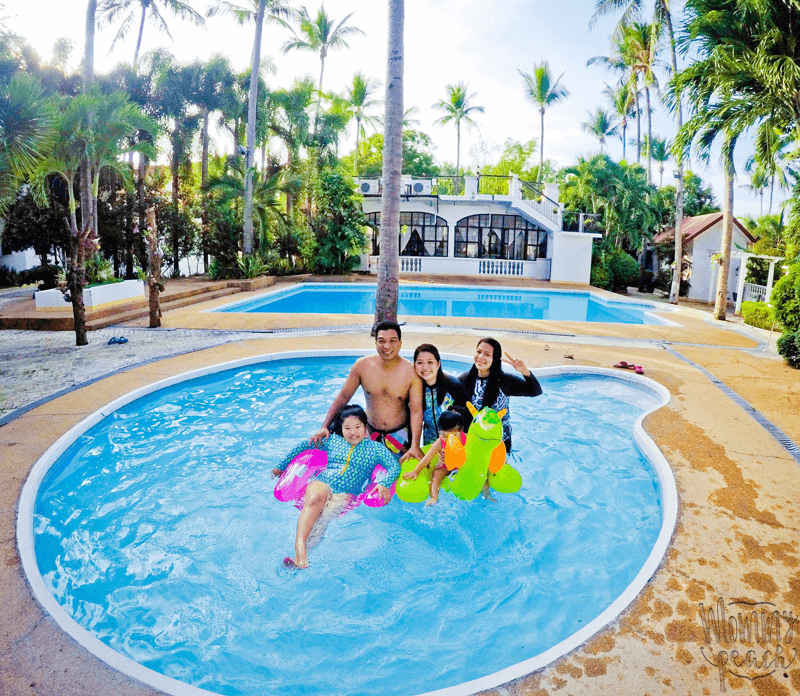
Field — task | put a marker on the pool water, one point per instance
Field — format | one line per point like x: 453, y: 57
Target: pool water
x: 158, y: 532
x: 449, y: 301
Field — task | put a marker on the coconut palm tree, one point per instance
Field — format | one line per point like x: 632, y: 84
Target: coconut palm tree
x: 358, y: 100
x: 129, y: 10
x: 622, y: 100
x: 601, y: 125
x: 386, y: 293
x: 320, y: 35
x: 662, y: 17
x: 660, y: 152
x: 24, y: 134
x: 543, y: 92
x: 261, y: 11
x: 457, y: 108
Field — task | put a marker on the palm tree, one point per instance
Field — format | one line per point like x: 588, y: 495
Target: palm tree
x: 231, y: 185
x: 662, y: 17
x: 271, y: 10
x: 660, y: 152
x: 640, y: 40
x: 112, y: 10
x: 622, y: 101
x: 90, y: 129
x: 387, y: 290
x: 319, y: 35
x: 24, y: 134
x: 457, y: 108
x: 88, y: 205
x: 543, y: 92
x: 358, y: 100
x: 601, y: 125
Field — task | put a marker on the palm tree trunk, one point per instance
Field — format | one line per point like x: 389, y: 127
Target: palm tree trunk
x: 649, y: 135
x: 204, y: 187
x: 175, y: 185
x: 355, y: 157
x: 319, y: 88
x: 771, y: 191
x: 721, y: 305
x: 388, y: 265
x: 674, y: 292
x: 139, y: 38
x: 458, y: 156
x: 638, y: 127
x: 541, y: 145
x: 624, y: 130
x: 247, y: 245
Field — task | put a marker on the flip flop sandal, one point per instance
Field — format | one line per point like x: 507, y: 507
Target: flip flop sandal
x: 624, y: 365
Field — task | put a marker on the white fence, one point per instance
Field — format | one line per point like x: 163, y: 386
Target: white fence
x: 754, y: 293
x: 432, y: 265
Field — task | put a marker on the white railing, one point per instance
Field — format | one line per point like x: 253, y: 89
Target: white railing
x: 754, y: 293
x: 437, y: 265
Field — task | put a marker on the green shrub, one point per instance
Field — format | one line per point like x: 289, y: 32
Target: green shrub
x: 601, y: 277
x: 47, y: 275
x: 785, y: 299
x: 99, y: 270
x: 624, y: 270
x: 9, y: 278
x: 758, y: 314
x: 788, y: 346
x: 251, y: 266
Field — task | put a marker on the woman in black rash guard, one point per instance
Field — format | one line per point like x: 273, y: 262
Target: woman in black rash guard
x: 440, y: 391
x: 485, y: 384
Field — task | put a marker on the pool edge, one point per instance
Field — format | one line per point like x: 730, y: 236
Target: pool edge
x: 134, y: 670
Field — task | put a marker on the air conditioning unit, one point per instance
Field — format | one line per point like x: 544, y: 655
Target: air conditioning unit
x: 421, y: 187
x: 368, y: 187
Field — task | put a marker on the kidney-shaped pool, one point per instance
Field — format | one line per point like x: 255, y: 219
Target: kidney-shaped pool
x: 152, y: 534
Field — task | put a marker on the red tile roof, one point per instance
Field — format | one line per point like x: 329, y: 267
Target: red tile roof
x: 695, y: 226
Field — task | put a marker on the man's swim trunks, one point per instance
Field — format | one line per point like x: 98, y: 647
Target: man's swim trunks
x: 396, y: 441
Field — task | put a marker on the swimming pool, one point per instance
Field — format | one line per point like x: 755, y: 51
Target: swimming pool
x: 151, y: 503
x: 452, y: 301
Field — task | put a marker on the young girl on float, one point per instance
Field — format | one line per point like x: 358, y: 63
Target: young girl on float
x: 351, y: 458
x: 451, y: 422
x: 487, y: 385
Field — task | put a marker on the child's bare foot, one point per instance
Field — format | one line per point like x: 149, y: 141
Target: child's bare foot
x: 431, y: 501
x: 486, y: 493
x: 292, y: 563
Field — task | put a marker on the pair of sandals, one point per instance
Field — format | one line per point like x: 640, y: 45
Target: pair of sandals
x: 630, y: 366
x: 114, y: 340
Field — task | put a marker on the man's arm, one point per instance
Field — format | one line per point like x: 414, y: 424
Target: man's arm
x: 352, y: 383
x: 415, y: 413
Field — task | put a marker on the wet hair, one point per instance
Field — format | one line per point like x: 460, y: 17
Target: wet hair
x: 344, y: 414
x: 387, y: 325
x: 495, y: 371
x: 451, y: 418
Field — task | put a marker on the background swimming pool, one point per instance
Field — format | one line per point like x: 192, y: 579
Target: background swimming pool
x: 158, y: 532
x: 441, y: 301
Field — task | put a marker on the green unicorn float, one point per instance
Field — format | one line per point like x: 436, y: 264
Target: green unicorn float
x: 481, y: 458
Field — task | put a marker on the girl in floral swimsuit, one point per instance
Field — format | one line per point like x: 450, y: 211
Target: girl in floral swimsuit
x: 351, y: 458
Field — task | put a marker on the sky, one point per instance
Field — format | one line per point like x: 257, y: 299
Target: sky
x: 485, y: 43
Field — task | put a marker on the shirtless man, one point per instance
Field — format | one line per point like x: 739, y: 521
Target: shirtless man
x: 393, y: 393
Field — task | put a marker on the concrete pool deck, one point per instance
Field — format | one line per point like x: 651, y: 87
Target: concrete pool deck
x: 738, y: 521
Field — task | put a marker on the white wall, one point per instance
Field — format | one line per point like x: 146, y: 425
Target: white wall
x: 703, y: 276
x: 572, y: 257
x: 20, y: 260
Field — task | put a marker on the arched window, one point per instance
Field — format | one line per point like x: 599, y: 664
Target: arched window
x: 499, y: 237
x: 421, y: 234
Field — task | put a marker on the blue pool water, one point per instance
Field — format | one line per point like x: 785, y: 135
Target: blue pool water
x: 158, y: 532
x: 444, y: 301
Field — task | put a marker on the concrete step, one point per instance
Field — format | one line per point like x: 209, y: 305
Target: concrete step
x: 176, y: 301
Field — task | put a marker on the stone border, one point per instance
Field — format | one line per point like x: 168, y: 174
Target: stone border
x: 25, y: 535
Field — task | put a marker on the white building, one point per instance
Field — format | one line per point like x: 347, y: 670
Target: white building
x: 519, y: 234
x: 702, y: 241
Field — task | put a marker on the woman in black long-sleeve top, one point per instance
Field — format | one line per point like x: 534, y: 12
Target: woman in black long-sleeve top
x: 486, y: 384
